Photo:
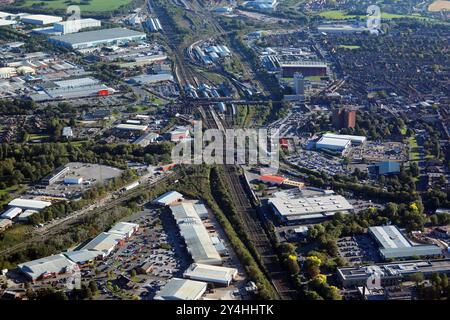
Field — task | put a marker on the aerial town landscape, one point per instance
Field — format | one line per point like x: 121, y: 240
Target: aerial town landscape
x: 97, y: 98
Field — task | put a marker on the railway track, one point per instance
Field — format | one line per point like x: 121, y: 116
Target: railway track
x: 252, y: 222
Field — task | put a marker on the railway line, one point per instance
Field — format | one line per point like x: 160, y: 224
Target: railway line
x: 253, y: 223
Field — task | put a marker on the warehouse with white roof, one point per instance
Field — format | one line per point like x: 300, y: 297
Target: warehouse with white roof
x: 292, y: 206
x: 182, y: 289
x: 83, y: 257
x: 47, y: 267
x: 105, y: 243
x: 168, y: 198
x: 40, y: 19
x: 394, y: 245
x: 124, y: 229
x: 212, y: 274
x: 11, y: 213
x: 29, y: 204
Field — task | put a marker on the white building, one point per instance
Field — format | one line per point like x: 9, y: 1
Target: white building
x: 212, y: 274
x: 105, y: 243
x: 82, y: 257
x: 73, y: 26
x: 40, y: 19
x: 47, y: 267
x: 299, y: 83
x: 131, y: 127
x: 11, y: 213
x: 334, y: 145
x: 292, y: 206
x: 168, y: 198
x: 124, y: 229
x: 26, y: 204
x: 73, y: 180
x: 181, y: 289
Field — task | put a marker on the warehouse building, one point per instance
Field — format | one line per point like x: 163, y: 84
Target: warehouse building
x: 28, y: 204
x: 11, y: 213
x: 40, y: 19
x: 333, y: 145
x: 182, y: 289
x: 131, y: 127
x: 90, y: 39
x: 168, y: 198
x: 293, y: 206
x: 25, y: 216
x: 83, y: 257
x: 47, y: 267
x: 341, y: 29
x: 354, y: 140
x: 151, y: 78
x: 391, y: 273
x: 394, y: 245
x: 105, y: 243
x: 124, y: 229
x: 73, y: 26
x: 211, y: 274
x: 54, y: 176
x: 195, y: 235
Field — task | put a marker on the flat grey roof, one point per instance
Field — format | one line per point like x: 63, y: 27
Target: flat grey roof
x: 390, y: 237
x: 97, y: 35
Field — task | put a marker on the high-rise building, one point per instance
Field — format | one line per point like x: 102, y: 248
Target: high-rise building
x: 344, y: 118
x: 299, y: 83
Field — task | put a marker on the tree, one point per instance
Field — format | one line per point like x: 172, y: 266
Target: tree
x: 417, y: 278
x: 312, y: 266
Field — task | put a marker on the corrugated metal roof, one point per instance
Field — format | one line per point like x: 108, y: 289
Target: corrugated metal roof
x: 181, y: 289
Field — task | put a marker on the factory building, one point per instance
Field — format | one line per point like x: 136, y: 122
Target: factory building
x: 333, y: 145
x: 211, y: 274
x: 83, y: 257
x: 307, y: 68
x: 182, y: 289
x: 385, y: 168
x: 394, y: 245
x: 297, y: 206
x: 11, y: 213
x: 54, y: 176
x: 105, y: 243
x: 168, y: 198
x: 73, y: 26
x: 47, y: 267
x: 179, y: 133
x: 124, y: 229
x: 40, y: 19
x: 146, y: 79
x: 90, y: 39
x: 73, y: 180
x: 131, y: 127
x: 28, y: 204
x: 341, y: 29
x: 391, y: 273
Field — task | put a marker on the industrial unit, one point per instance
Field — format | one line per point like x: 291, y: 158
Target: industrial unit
x: 182, y: 289
x: 394, y: 245
x: 292, y: 206
x: 47, y: 267
x: 29, y: 204
x: 391, y: 273
x: 96, y: 38
x: 55, y: 175
x: 168, y: 198
x: 40, y: 19
x: 73, y: 26
x: 212, y: 274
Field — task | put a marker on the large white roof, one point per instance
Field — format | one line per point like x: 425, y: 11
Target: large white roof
x: 123, y: 228
x: 181, y: 289
x: 29, y: 204
x: 308, y: 207
x: 168, y: 198
x: 352, y: 138
x: 80, y: 256
x: 208, y: 273
x: 52, y: 264
x: 104, y: 242
x: 11, y: 213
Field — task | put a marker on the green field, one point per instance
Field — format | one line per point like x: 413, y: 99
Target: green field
x: 351, y: 47
x: 343, y: 15
x: 413, y: 146
x: 88, y: 6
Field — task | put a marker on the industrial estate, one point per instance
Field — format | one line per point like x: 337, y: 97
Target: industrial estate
x: 96, y: 96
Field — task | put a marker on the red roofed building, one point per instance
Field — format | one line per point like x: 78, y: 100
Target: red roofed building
x: 272, y: 179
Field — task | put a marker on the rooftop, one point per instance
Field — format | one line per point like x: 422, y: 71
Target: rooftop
x: 52, y: 264
x: 168, y: 198
x: 29, y: 204
x: 97, y: 35
x: 181, y: 289
x: 204, y: 272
